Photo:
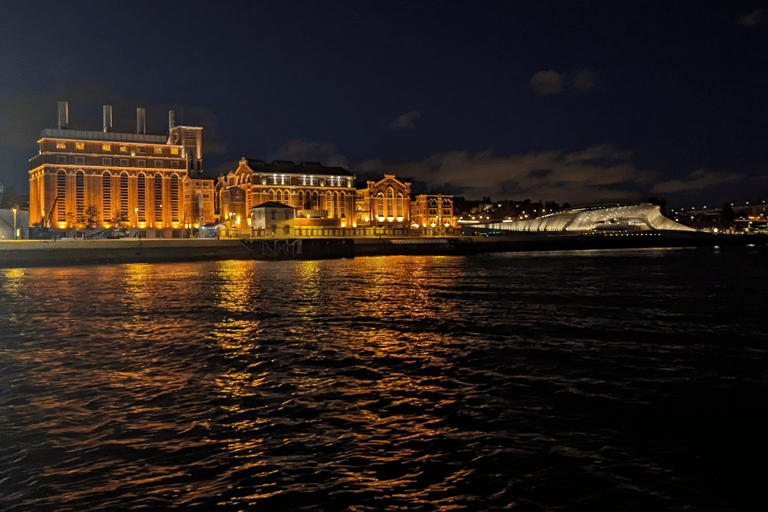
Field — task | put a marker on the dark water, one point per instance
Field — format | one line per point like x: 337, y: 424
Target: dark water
x: 614, y: 380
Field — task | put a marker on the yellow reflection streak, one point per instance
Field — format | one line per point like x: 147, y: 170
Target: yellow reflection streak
x: 137, y: 276
x: 14, y: 278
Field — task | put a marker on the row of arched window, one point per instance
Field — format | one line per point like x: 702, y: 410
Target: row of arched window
x: 107, y: 189
x: 390, y: 205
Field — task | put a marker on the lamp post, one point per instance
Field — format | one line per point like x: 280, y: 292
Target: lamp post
x: 14, y: 223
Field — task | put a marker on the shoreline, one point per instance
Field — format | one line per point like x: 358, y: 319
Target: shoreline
x: 36, y: 253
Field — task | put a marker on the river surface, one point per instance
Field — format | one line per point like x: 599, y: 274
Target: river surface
x: 596, y: 380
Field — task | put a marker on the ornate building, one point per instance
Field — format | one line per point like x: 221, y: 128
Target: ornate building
x: 433, y: 211
x: 320, y: 195
x: 386, y: 202
x: 142, y: 182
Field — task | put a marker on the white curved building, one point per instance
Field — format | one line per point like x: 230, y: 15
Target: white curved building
x: 628, y: 217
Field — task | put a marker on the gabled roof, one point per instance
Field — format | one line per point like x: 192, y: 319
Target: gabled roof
x: 273, y: 204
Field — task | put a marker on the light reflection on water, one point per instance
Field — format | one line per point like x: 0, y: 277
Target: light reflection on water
x: 581, y: 380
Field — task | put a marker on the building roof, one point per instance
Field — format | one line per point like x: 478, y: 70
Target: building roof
x: 53, y: 133
x: 287, y: 167
x: 273, y: 204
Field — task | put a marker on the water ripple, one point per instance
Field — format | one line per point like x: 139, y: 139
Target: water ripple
x: 535, y: 382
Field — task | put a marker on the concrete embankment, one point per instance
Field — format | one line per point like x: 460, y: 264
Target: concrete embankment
x: 26, y: 253
x: 129, y: 250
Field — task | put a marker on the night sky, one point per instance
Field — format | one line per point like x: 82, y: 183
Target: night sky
x: 546, y: 100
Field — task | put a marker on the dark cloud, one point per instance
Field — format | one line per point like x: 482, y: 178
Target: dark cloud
x: 697, y: 180
x: 552, y: 82
x: 754, y: 18
x: 300, y: 150
x: 585, y: 80
x: 548, y: 82
x: 590, y: 175
x: 406, y: 121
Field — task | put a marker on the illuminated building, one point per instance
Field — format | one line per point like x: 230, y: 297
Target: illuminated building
x: 144, y: 183
x: 321, y: 196
x: 386, y: 202
x: 433, y: 213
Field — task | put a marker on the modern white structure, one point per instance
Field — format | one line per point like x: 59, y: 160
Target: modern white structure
x: 636, y: 217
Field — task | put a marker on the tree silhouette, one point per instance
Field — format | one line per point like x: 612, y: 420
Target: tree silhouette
x: 91, y: 213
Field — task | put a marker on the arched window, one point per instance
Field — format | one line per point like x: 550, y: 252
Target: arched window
x: 390, y: 200
x: 124, y: 195
x: 279, y: 196
x: 287, y: 197
x: 399, y: 204
x: 142, y: 197
x: 174, y: 198
x: 301, y: 199
x: 80, y: 195
x: 329, y: 203
x: 158, y: 198
x: 61, y: 195
x: 106, y: 196
x: 380, y: 205
x: 315, y: 201
x: 271, y: 195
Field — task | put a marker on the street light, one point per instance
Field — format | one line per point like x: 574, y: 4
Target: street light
x: 14, y: 223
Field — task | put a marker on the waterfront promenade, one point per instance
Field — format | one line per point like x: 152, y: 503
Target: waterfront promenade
x: 24, y: 253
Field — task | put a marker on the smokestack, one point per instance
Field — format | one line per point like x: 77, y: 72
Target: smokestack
x: 63, y: 115
x: 171, y: 120
x: 141, y: 121
x: 107, y: 118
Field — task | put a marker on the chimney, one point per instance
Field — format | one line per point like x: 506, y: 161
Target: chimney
x: 141, y: 121
x: 63, y: 115
x: 107, y: 118
x: 171, y: 120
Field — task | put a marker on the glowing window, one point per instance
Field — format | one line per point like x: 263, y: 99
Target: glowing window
x: 158, y: 198
x: 141, y: 192
x: 158, y: 151
x: 61, y: 192
x: 79, y: 145
x: 106, y: 147
x: 106, y: 196
x: 61, y: 145
x: 174, y: 198
x: 174, y: 151
x: 123, y: 149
